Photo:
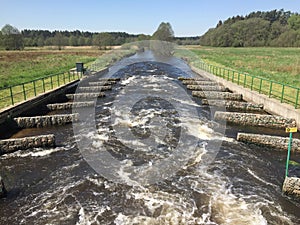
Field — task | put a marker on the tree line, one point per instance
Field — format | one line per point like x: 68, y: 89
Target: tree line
x: 276, y: 28
x: 13, y: 39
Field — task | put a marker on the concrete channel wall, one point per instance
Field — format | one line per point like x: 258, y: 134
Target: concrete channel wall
x: 19, y: 108
x: 14, y: 144
x: 271, y: 105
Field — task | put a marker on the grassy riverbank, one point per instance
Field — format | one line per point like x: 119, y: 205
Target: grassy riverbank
x: 21, y: 66
x: 278, y: 64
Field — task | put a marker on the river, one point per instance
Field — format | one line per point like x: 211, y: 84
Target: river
x: 167, y: 164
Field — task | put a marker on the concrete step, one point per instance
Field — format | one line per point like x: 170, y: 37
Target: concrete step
x: 199, y: 82
x: 193, y: 78
x: 206, y: 88
x: 88, y: 95
x: 45, y: 121
x: 217, y: 95
x: 70, y: 105
x: 15, y: 144
x: 274, y: 142
x: 258, y: 120
x: 109, y: 79
x: 102, y: 83
x: 234, y: 105
x: 291, y: 186
x: 95, y: 88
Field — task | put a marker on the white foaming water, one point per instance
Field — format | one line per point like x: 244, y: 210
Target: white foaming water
x: 161, y: 208
x: 128, y: 80
x: 258, y: 178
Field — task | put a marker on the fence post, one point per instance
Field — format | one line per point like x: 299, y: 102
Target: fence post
x: 58, y: 84
x: 252, y: 83
x: 282, y: 93
x: 260, y: 85
x: 270, y: 91
x: 11, y: 95
x: 34, y: 88
x: 44, y: 88
x: 51, y: 79
x: 239, y: 78
x: 69, y: 76
x: 64, y: 79
x: 245, y: 80
x: 24, y: 92
x: 297, y: 98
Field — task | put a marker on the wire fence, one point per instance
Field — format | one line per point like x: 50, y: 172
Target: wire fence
x: 15, y: 94
x: 283, y: 92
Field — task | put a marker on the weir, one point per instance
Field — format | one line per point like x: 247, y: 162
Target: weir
x: 14, y: 144
x: 102, y: 83
x: 291, y: 186
x: 273, y: 142
x: 206, y: 88
x: 95, y: 88
x: 217, y: 95
x: 87, y: 95
x: 70, y: 105
x: 45, y: 121
x: 250, y: 119
x: 234, y: 105
x: 199, y: 82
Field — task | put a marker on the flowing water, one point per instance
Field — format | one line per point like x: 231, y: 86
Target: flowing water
x: 240, y: 184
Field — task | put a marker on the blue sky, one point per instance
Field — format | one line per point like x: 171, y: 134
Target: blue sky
x: 187, y: 17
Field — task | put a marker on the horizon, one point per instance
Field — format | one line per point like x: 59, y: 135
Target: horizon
x: 188, y: 19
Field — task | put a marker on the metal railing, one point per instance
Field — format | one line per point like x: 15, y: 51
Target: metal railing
x: 17, y: 93
x: 283, y: 92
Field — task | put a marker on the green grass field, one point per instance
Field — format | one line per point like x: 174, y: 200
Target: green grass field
x: 274, y: 72
x: 22, y: 66
x: 278, y: 64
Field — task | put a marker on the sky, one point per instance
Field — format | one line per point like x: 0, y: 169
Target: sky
x: 187, y: 17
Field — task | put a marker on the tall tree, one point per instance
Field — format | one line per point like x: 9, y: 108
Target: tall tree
x: 164, y: 32
x: 12, y: 38
x: 102, y: 40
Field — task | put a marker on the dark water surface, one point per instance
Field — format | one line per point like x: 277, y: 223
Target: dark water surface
x: 242, y: 185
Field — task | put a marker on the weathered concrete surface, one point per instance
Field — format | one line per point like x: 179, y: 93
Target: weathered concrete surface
x: 250, y: 119
x: 3, y: 190
x: 90, y: 95
x: 22, y: 107
x: 206, y: 88
x: 291, y: 186
x: 271, y: 105
x: 269, y: 141
x: 102, y: 83
x: 44, y: 121
x: 14, y: 144
x: 193, y: 78
x: 246, y: 106
x: 70, y: 105
x: 95, y: 88
x: 199, y: 82
x: 217, y: 95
